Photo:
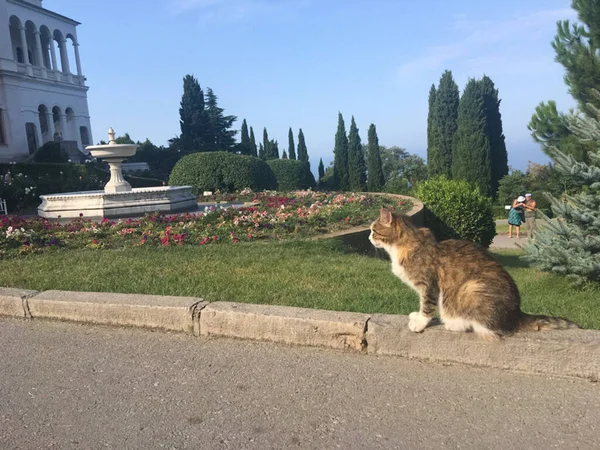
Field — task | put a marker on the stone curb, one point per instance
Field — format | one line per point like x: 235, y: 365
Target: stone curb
x: 570, y: 353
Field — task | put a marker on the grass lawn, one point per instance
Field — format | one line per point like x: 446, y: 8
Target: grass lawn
x: 323, y: 274
x: 502, y: 228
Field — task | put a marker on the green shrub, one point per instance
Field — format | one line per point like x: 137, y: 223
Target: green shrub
x: 291, y: 174
x: 457, y: 210
x: 327, y: 183
x: 499, y: 212
x: 397, y: 185
x: 50, y: 152
x: 212, y: 171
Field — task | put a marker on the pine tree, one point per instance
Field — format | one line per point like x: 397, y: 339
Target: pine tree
x: 245, y: 146
x: 265, y: 145
x: 431, y: 130
x: 445, y: 119
x: 253, y: 150
x: 222, y: 137
x: 498, y: 154
x: 291, y: 146
x: 471, y: 149
x: 569, y: 244
x: 340, y: 156
x: 375, y: 179
x: 302, y: 150
x: 321, y: 169
x: 576, y: 47
x: 357, y: 170
x: 273, y: 150
x: 194, y: 122
x: 261, y: 151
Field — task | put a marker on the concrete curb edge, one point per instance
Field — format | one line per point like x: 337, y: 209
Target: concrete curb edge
x: 568, y: 353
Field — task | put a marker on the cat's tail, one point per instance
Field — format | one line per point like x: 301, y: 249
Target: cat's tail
x: 541, y: 323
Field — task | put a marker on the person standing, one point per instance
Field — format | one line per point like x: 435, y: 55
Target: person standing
x: 515, y: 216
x: 530, y: 212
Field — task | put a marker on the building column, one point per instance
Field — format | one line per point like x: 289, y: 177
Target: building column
x: 51, y: 125
x: 64, y: 56
x: 24, y: 49
x: 77, y: 60
x: 40, y: 55
x: 53, y: 56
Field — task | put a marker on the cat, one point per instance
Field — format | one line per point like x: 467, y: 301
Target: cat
x: 459, y: 279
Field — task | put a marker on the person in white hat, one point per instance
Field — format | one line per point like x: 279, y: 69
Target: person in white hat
x: 530, y: 209
x: 515, y: 216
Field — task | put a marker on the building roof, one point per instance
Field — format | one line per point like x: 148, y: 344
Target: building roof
x: 45, y: 11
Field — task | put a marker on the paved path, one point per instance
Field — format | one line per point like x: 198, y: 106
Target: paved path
x: 71, y: 386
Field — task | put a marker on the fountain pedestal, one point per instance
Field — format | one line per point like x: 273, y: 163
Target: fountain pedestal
x: 117, y: 199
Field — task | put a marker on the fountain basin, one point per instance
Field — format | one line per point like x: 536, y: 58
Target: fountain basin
x: 112, y: 151
x: 96, y: 205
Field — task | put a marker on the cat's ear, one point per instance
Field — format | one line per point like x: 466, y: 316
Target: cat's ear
x: 385, y: 216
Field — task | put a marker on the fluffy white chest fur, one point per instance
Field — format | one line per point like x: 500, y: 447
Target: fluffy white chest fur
x: 398, y: 269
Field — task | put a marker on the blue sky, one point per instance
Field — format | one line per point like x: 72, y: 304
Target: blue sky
x: 282, y: 63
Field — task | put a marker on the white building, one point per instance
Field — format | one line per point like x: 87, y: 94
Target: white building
x: 40, y: 97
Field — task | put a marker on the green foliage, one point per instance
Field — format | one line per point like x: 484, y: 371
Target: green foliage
x: 284, y: 156
x: 50, y: 152
x: 401, y: 168
x: 291, y: 174
x: 456, y: 210
x: 273, y: 150
x: 194, y: 122
x: 222, y: 171
x: 261, y: 151
x: 221, y: 136
x: 375, y: 180
x: 327, y: 181
x: 444, y: 126
x: 471, y: 149
x: 498, y: 154
x: 357, y: 170
x: 291, y: 145
x: 570, y: 244
x: 340, y: 156
x: 321, y: 169
x: 265, y: 146
x: 431, y: 124
x: 253, y: 149
x: 512, y: 186
x: 302, y: 150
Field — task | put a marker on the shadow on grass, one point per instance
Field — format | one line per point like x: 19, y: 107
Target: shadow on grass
x: 511, y: 259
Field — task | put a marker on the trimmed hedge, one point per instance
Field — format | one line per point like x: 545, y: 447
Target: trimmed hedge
x: 457, y: 210
x: 50, y: 152
x: 291, y: 174
x: 212, y: 171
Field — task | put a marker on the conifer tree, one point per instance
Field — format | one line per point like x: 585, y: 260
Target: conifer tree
x: 193, y: 120
x: 569, y: 244
x: 265, y: 143
x: 222, y: 137
x: 471, y: 149
x: 245, y: 146
x: 375, y: 180
x: 357, y: 170
x: 261, y: 151
x: 340, y: 156
x: 291, y: 146
x: 253, y: 150
x: 431, y: 130
x: 273, y: 150
x: 498, y: 154
x: 284, y: 156
x: 302, y: 150
x: 445, y: 119
x: 321, y: 169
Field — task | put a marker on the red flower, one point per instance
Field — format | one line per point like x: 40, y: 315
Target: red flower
x: 165, y: 241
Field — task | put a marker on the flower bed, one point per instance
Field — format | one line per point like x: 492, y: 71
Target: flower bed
x: 271, y: 216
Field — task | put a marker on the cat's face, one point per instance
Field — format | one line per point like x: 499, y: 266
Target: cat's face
x: 384, y: 230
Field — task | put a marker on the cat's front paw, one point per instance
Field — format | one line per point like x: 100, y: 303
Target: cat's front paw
x: 417, y: 322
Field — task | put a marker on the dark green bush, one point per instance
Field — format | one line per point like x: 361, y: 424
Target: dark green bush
x: 212, y: 171
x: 499, y: 212
x: 457, y: 210
x: 50, y: 152
x: 291, y: 174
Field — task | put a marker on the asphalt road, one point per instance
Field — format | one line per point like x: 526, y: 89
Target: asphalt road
x: 69, y: 386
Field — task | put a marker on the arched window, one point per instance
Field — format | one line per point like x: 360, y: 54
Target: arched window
x: 31, y: 137
x: 85, y: 136
x: 20, y: 57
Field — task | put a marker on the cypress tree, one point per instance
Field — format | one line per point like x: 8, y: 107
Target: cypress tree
x: 357, y: 170
x: 261, y: 151
x: 431, y: 131
x: 222, y: 137
x: 321, y: 169
x: 253, y: 150
x: 284, y: 156
x: 375, y: 180
x: 302, y: 150
x: 340, y: 156
x: 445, y: 126
x: 291, y: 146
x: 471, y: 152
x: 265, y: 143
x: 498, y: 154
x: 193, y: 120
x: 273, y: 150
x: 245, y: 146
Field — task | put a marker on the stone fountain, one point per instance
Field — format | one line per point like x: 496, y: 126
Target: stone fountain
x: 118, y: 199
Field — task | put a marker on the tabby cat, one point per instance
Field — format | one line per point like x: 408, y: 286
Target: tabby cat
x: 470, y: 290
